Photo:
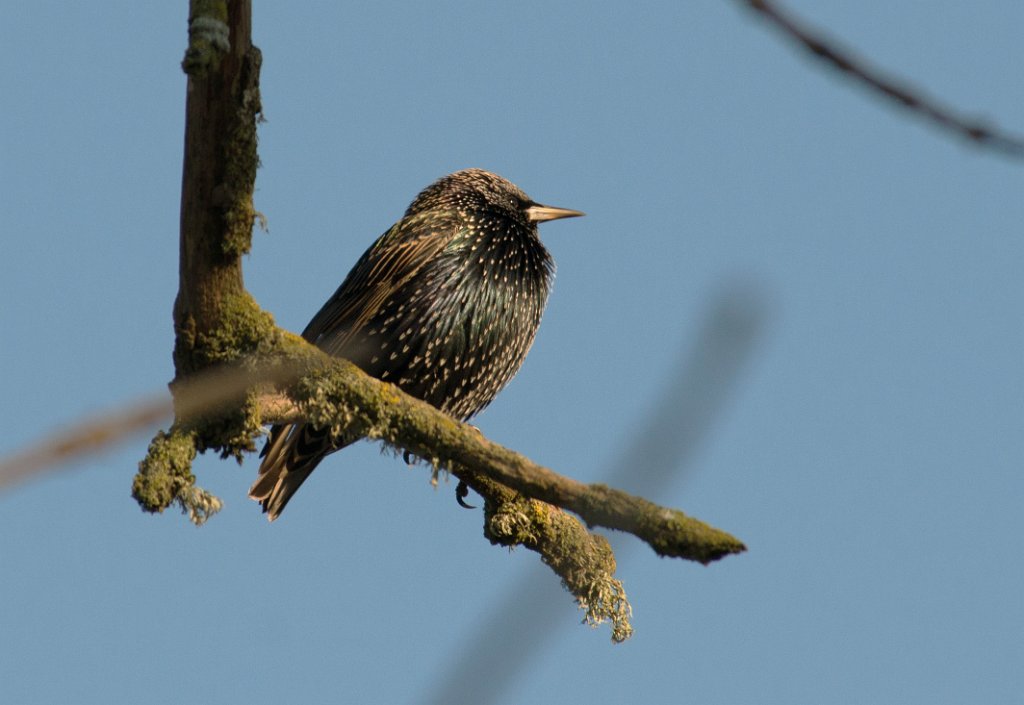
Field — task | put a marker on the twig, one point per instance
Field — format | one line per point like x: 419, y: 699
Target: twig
x: 847, y: 62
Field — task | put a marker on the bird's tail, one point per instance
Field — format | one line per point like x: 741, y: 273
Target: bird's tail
x: 292, y: 452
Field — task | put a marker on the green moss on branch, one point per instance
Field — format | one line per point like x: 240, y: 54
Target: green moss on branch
x: 165, y: 478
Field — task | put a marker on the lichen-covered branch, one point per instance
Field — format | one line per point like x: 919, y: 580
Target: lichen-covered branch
x: 217, y: 214
x: 339, y: 396
x: 165, y: 477
x: 584, y: 561
x: 335, y: 394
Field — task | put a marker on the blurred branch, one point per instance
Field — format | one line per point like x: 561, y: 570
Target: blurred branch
x: 896, y: 91
x: 202, y: 393
x: 80, y: 439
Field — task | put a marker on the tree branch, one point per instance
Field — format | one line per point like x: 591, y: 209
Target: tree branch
x: 219, y: 174
x: 341, y: 397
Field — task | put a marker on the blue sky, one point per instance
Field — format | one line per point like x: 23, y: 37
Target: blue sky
x: 868, y: 450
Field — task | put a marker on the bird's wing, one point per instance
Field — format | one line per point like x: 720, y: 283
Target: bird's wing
x: 391, y: 262
x: 294, y: 450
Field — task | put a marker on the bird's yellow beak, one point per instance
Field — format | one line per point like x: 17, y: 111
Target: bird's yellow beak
x: 538, y: 213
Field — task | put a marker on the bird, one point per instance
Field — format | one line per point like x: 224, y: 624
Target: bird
x: 445, y: 305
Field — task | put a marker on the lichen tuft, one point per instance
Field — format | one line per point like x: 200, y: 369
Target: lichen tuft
x: 165, y: 471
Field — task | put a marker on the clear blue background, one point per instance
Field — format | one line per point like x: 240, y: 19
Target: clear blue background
x: 869, y: 451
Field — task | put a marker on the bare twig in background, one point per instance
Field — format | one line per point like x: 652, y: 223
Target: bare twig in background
x: 203, y: 392
x: 675, y: 426
x: 846, y: 61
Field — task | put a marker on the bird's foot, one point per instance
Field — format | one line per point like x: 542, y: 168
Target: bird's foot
x: 461, y: 492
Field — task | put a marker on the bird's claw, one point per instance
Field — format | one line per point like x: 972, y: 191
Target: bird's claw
x: 461, y: 492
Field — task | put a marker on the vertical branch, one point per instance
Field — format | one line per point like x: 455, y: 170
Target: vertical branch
x: 219, y: 173
x: 215, y: 320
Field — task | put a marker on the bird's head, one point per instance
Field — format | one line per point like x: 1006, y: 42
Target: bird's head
x: 479, y: 191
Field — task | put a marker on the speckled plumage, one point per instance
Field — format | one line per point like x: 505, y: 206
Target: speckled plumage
x: 445, y: 305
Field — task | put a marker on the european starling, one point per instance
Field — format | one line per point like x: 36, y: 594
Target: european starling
x: 445, y: 305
